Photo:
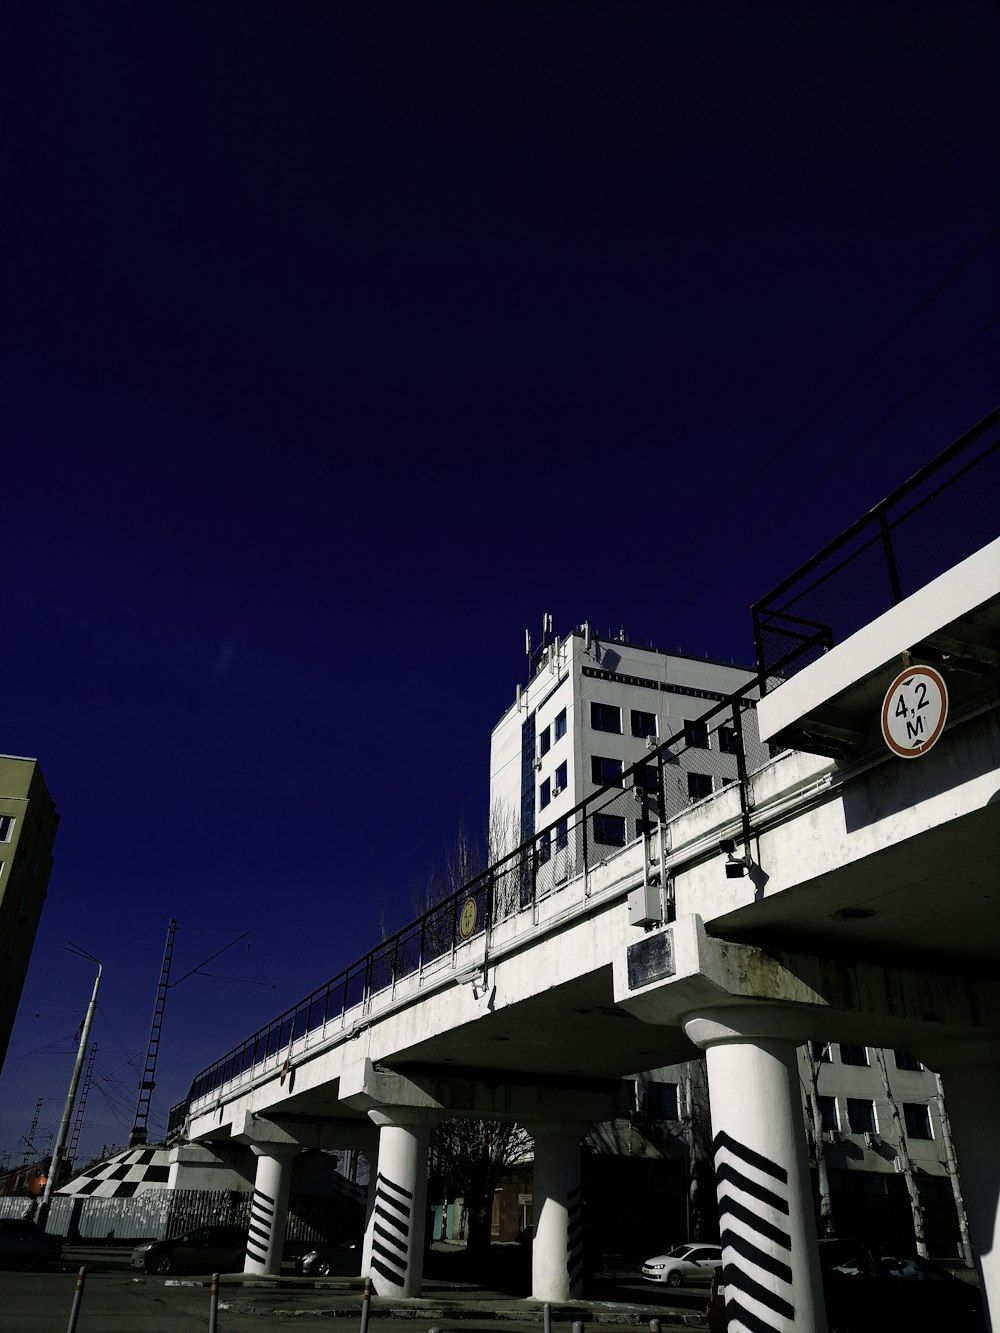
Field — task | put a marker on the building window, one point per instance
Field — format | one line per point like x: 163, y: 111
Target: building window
x: 606, y: 717
x: 6, y: 827
x: 606, y: 772
x: 562, y: 835
x: 821, y: 1052
x: 661, y: 1101
x: 648, y: 777
x: 561, y: 776
x: 861, y: 1115
x: 646, y: 829
x: 544, y: 794
x: 727, y: 740
x: 544, y: 742
x: 560, y: 725
x: 610, y: 830
x: 643, y: 724
x: 907, y: 1060
x: 917, y: 1118
x: 696, y: 735
x: 828, y: 1113
x: 699, y: 785
x: 853, y: 1055
x: 544, y: 847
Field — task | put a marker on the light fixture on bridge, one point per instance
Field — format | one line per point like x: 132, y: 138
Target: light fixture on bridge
x: 736, y: 866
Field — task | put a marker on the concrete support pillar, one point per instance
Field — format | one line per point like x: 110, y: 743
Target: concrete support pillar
x: 557, y: 1250
x: 970, y: 1073
x: 394, y: 1239
x: 766, y: 1215
x: 269, y: 1206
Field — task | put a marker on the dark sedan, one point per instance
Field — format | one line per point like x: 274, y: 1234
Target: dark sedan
x: 204, y: 1250
x: 872, y: 1287
x: 25, y: 1246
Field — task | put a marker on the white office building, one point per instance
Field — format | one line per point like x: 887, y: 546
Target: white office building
x: 592, y: 707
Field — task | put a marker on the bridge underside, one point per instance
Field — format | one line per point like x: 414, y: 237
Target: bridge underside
x: 932, y: 902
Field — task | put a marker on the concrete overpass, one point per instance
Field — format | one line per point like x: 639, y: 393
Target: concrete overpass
x: 868, y: 913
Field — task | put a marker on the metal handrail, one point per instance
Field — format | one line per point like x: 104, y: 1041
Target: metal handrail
x: 429, y: 943
x: 767, y: 610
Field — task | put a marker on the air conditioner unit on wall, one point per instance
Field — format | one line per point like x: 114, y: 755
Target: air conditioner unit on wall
x: 832, y: 1136
x: 871, y: 1140
x: 556, y: 789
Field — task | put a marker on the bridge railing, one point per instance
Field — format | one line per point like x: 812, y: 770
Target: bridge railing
x: 627, y: 809
x: 945, y: 512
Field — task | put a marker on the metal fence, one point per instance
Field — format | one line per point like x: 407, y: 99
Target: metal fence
x: 158, y: 1213
x: 630, y: 808
x: 943, y: 514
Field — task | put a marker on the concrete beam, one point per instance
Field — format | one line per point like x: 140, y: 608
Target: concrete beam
x: 864, y: 1002
x: 477, y: 1098
x: 261, y: 1131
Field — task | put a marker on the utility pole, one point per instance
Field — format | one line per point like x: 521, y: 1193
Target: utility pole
x: 57, y: 1156
x: 140, y: 1126
x: 74, y: 1142
x: 29, y: 1142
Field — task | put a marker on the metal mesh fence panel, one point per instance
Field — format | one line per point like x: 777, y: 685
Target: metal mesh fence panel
x: 947, y: 524
x: 941, y: 517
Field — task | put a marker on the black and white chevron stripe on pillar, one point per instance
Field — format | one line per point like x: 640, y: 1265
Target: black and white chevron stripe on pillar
x: 391, y: 1223
x: 261, y: 1225
x: 574, y: 1238
x: 757, y: 1245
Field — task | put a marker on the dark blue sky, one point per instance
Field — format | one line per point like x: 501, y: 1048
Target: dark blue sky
x: 342, y: 341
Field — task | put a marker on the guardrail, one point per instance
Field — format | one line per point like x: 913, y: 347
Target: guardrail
x: 945, y: 512
x: 633, y: 807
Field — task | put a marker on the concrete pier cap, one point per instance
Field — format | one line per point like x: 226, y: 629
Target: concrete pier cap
x: 682, y: 973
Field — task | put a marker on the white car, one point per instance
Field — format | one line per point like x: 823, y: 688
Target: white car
x: 683, y: 1265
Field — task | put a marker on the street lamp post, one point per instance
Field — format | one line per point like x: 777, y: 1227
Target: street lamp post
x: 60, y: 1148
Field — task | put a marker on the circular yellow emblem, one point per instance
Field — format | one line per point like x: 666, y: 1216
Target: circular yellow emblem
x: 467, y: 918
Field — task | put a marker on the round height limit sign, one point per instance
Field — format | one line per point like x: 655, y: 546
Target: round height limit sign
x: 914, y: 711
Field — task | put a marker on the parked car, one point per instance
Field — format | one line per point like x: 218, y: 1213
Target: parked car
x: 869, y: 1287
x: 684, y: 1264
x: 25, y: 1245
x: 209, y: 1249
x: 324, y: 1260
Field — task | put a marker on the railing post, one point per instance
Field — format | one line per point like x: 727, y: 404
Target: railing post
x: 534, y: 872
x: 213, y: 1304
x: 74, y: 1313
x: 890, y: 557
x: 741, y: 772
x: 758, y: 647
x: 583, y: 825
x: 644, y: 816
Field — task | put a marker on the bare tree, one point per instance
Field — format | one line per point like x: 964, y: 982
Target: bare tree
x: 696, y: 1117
x: 952, y: 1164
x: 903, y: 1152
x: 472, y: 1156
x: 815, y: 1056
